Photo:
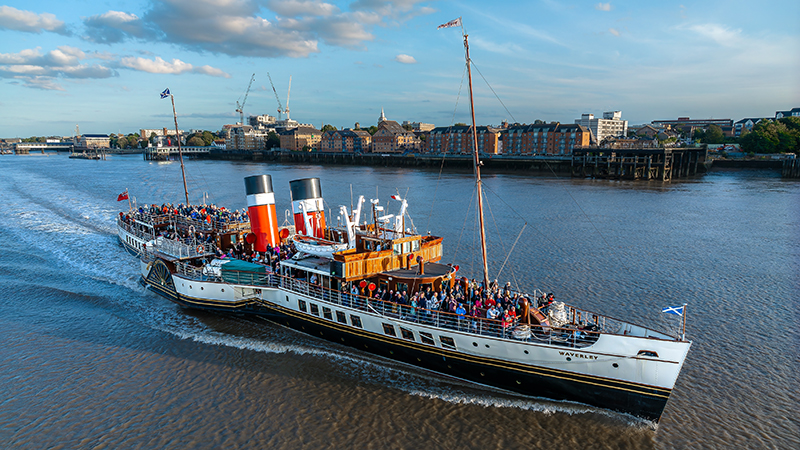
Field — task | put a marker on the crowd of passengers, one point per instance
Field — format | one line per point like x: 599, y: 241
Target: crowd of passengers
x: 269, y: 258
x: 211, y: 214
x: 468, y: 301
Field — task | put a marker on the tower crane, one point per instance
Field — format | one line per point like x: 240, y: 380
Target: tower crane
x: 240, y: 107
x: 287, y: 98
x: 280, y: 108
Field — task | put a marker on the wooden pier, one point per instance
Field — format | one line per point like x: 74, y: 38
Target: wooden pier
x: 791, y: 168
x: 638, y: 164
x: 166, y: 153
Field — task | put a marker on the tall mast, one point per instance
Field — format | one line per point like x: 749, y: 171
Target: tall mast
x: 180, y: 152
x: 477, y: 167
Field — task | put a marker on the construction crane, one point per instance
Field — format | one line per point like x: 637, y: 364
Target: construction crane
x: 280, y: 108
x: 240, y: 107
x: 287, y: 98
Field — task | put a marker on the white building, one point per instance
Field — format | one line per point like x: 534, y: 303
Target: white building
x: 610, y: 125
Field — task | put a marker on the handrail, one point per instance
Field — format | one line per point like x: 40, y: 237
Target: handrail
x: 566, y: 336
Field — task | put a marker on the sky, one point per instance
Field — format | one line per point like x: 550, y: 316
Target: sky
x: 101, y: 64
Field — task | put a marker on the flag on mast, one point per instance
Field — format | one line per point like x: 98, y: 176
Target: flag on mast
x: 677, y: 310
x: 166, y: 93
x: 123, y: 196
x: 452, y: 23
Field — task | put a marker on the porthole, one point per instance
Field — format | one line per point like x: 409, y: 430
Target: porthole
x: 201, y: 288
x: 482, y: 374
x: 569, y: 359
x: 615, y: 365
x: 526, y: 352
x: 518, y: 382
x: 190, y: 286
x: 475, y: 344
x: 223, y: 290
x: 486, y: 345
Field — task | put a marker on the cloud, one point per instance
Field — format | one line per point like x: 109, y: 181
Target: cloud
x: 115, y: 26
x: 614, y: 31
x: 174, y: 67
x: 405, y: 59
x: 40, y: 71
x: 241, y: 27
x: 15, y: 19
x: 720, y: 34
x: 603, y: 6
x: 294, y: 8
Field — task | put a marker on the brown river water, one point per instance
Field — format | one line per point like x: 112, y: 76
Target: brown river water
x: 91, y: 360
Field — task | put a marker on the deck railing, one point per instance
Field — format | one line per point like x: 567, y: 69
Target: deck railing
x: 568, y: 335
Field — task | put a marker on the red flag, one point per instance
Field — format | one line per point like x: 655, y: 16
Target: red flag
x: 123, y: 196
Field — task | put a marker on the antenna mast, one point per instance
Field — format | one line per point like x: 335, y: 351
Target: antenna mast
x: 477, y: 165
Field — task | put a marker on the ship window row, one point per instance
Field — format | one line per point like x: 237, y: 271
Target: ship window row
x: 328, y: 313
x: 425, y: 337
x: 388, y: 328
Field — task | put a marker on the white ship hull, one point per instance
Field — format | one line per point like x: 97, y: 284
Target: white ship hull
x: 615, y: 372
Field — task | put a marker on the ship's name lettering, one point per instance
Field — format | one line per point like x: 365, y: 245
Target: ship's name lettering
x: 577, y: 355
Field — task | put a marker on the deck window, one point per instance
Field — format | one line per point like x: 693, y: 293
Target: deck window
x: 426, y: 338
x: 314, y: 309
x: 341, y: 317
x: 447, y: 342
x: 302, y: 305
x: 389, y: 329
x: 407, y: 334
x: 326, y: 312
x: 355, y: 320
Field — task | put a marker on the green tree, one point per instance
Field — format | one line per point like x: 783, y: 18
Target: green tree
x: 273, y: 140
x: 459, y: 124
x: 208, y: 138
x: 699, y: 134
x: 196, y: 141
x: 372, y: 130
x: 328, y: 127
x: 713, y: 135
x: 133, y: 140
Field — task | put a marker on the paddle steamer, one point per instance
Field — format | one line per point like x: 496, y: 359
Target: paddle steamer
x: 327, y: 289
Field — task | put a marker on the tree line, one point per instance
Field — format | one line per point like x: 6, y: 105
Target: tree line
x: 773, y: 136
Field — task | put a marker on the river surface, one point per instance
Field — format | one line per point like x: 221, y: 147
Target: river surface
x: 90, y: 360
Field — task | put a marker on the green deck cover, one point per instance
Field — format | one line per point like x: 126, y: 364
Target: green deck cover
x: 243, y: 272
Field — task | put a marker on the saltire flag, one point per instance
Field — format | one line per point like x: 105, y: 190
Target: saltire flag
x: 123, y: 196
x: 677, y: 310
x: 396, y: 197
x: 452, y: 23
x: 166, y: 93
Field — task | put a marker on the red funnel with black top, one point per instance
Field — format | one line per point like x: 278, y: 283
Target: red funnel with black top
x: 261, y: 209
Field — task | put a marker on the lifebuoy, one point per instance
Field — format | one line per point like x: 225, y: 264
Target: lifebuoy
x: 200, y: 249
